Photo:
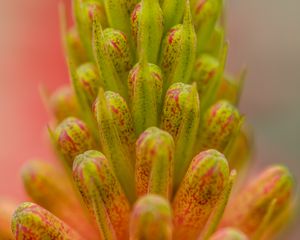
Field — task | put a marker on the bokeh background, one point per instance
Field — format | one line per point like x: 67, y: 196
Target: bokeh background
x: 263, y: 34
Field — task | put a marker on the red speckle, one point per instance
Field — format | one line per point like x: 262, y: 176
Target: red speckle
x: 171, y: 35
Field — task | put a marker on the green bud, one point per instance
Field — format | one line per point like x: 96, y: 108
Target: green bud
x: 122, y: 119
x: 102, y: 194
x: 147, y: 22
x: 108, y: 73
x: 154, y: 163
x: 206, y: 14
x: 179, y: 51
x: 205, y: 72
x: 145, y: 89
x: 181, y: 118
x: 84, y: 12
x: 72, y: 137
x: 89, y: 81
x: 113, y: 148
x: 198, y: 193
x: 49, y: 187
x: 260, y: 202
x: 31, y: 221
x: 151, y: 219
x: 118, y: 49
x: 63, y: 103
x: 220, y: 123
x: 173, y: 11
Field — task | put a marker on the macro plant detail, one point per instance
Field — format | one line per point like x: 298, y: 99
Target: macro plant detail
x: 148, y: 134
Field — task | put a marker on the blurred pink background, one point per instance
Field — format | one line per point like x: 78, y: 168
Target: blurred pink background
x: 264, y: 35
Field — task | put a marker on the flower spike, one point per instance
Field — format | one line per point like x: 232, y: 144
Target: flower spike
x: 30, y: 221
x: 102, y: 194
x: 154, y: 163
x: 198, y: 193
x: 151, y: 219
x: 181, y: 117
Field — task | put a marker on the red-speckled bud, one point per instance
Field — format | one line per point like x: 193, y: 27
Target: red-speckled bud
x: 122, y: 119
x: 230, y: 88
x: 154, y: 163
x: 75, y: 49
x: 198, y: 193
x: 72, y: 137
x: 84, y: 13
x: 7, y: 208
x: 102, y: 194
x: 181, y: 117
x: 112, y: 146
x: 147, y: 28
x: 52, y: 189
x: 118, y: 49
x: 145, y: 90
x: 156, y: 76
x: 89, y: 81
x: 229, y: 234
x: 205, y: 72
x: 206, y: 14
x: 151, y: 219
x: 220, y: 123
x: 179, y: 51
x: 31, y: 221
x: 63, y: 103
x: 248, y: 210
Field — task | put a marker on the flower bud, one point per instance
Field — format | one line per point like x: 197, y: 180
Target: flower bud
x: 63, y: 103
x: 145, y: 87
x: 248, y: 209
x: 104, y: 55
x: 102, y: 194
x: 147, y: 27
x: 84, y: 12
x: 173, y: 11
x: 51, y: 189
x: 89, y: 81
x: 179, y: 51
x: 181, y: 117
x: 154, y: 163
x: 229, y: 234
x: 118, y: 14
x: 241, y: 149
x: 118, y: 49
x: 31, y: 221
x: 123, y: 121
x: 72, y: 137
x: 75, y: 49
x: 7, y: 208
x: 230, y: 88
x: 205, y: 72
x: 206, y: 14
x: 113, y: 148
x: 198, y: 193
x: 151, y: 219
x: 220, y: 124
